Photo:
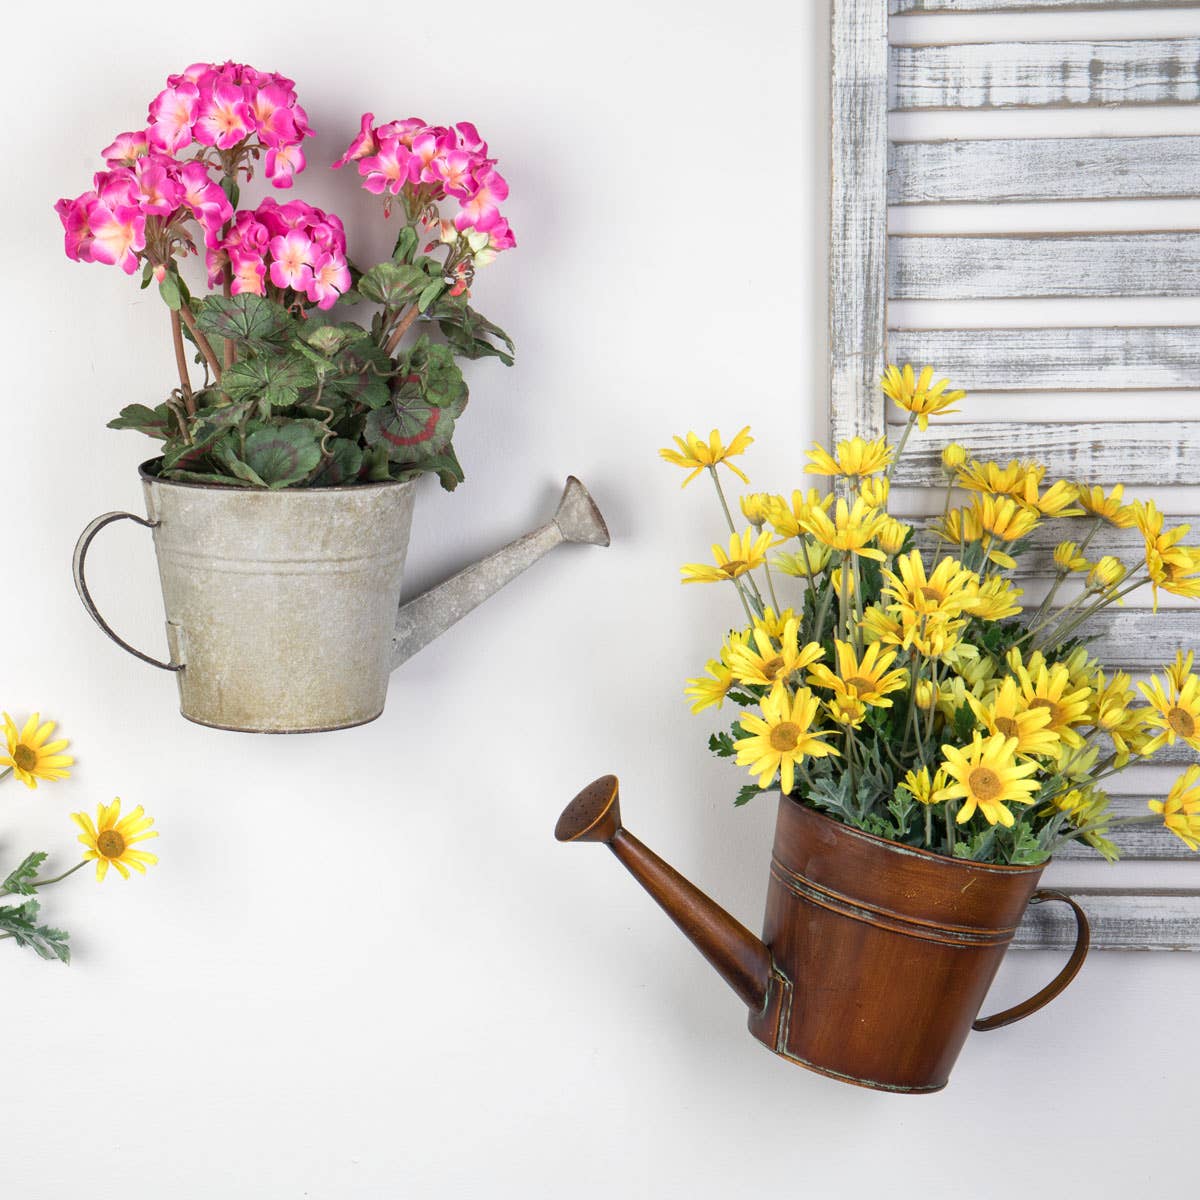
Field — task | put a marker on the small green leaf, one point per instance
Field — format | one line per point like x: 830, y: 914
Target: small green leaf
x: 393, y: 284
x: 245, y: 318
x: 274, y: 379
x: 283, y: 455
x: 406, y: 245
x: 156, y: 422
x: 345, y: 462
x: 20, y: 878
x: 229, y: 186
x: 329, y: 339
x: 747, y: 793
x: 20, y: 921
x: 430, y: 294
x: 721, y: 744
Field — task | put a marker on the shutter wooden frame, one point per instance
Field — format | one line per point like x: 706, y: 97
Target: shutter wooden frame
x: 866, y: 267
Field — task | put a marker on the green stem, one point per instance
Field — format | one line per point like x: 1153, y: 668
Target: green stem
x: 949, y: 810
x: 6, y: 772
x: 1065, y: 628
x: 721, y: 496
x: 41, y: 883
x: 771, y: 587
x: 908, y: 428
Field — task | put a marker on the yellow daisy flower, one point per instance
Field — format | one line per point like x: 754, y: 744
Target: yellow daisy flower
x: 756, y: 507
x: 710, y: 690
x: 868, y: 679
x: 1174, y: 710
x: 987, y: 776
x: 771, y: 623
x: 953, y: 457
x: 854, y: 457
x: 31, y: 755
x: 769, y: 665
x: 111, y: 840
x: 1069, y: 560
x: 1111, y: 710
x: 696, y: 455
x: 850, y: 529
x: 1050, y: 688
x: 1181, y: 809
x: 1106, y: 573
x: 745, y: 553
x: 1178, y: 671
x: 995, y: 599
x: 1110, y: 508
x: 1006, y: 713
x: 788, y: 519
x: 1172, y: 567
x: 919, y: 394
x: 1010, y: 480
x: 945, y: 593
x: 846, y: 710
x: 959, y: 527
x: 875, y: 491
x: 892, y: 535
x: 1005, y: 520
x: 812, y: 558
x: 923, y: 789
x: 1055, y: 501
x: 781, y: 737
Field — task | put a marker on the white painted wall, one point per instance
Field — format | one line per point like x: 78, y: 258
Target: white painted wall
x: 363, y: 968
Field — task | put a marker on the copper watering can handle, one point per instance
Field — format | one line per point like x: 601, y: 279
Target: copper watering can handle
x: 81, y: 548
x: 1083, y: 939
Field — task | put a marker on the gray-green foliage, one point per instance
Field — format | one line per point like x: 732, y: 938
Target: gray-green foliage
x: 312, y: 399
x: 20, y: 921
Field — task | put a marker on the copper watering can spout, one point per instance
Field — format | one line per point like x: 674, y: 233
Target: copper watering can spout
x: 740, y: 958
x: 429, y: 615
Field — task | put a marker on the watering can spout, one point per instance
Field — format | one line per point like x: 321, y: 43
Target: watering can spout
x: 420, y: 620
x: 740, y: 958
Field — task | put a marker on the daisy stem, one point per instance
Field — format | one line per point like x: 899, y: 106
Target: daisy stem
x: 948, y: 808
x: 844, y: 602
x: 1067, y: 627
x: 929, y: 826
x: 39, y: 883
x: 1062, y: 575
x: 771, y: 586
x: 933, y: 699
x: 912, y: 420
x: 6, y: 773
x: 732, y: 529
x: 742, y: 598
x: 858, y: 611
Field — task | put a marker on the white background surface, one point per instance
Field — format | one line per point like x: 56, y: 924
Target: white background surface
x: 363, y: 968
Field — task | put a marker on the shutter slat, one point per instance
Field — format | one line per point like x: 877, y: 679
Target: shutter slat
x: 1030, y: 169
x: 1041, y: 266
x: 1142, y: 919
x: 1094, y: 359
x: 904, y: 8
x: 1045, y: 74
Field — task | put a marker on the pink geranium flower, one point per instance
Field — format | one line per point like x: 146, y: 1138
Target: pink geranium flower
x: 117, y: 235
x: 364, y: 144
x: 402, y: 131
x: 78, y: 232
x: 223, y: 116
x: 206, y: 199
x: 126, y: 149
x: 159, y: 192
x: 330, y: 279
x: 172, y: 115
x: 292, y: 266
x: 387, y: 170
x: 270, y: 106
x: 453, y: 171
x: 249, y: 275
x: 468, y: 139
x: 481, y: 210
x: 283, y: 163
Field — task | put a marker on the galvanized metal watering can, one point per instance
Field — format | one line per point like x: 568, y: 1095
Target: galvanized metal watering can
x: 875, y: 957
x: 283, y: 607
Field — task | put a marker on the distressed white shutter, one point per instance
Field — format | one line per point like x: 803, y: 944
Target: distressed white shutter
x: 868, y: 268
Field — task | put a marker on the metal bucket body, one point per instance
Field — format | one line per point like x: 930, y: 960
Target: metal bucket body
x: 281, y: 605
x: 882, y: 953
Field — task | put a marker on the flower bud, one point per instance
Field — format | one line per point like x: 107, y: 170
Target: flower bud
x: 953, y: 456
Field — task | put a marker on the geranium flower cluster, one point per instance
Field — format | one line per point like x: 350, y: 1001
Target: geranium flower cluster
x: 138, y: 208
x: 291, y: 245
x: 428, y: 163
x: 232, y: 107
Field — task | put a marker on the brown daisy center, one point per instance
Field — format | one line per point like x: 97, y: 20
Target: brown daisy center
x: 25, y: 757
x: 859, y: 685
x: 110, y: 844
x: 1008, y: 726
x: 785, y: 736
x: 931, y: 593
x: 1182, y: 722
x: 772, y: 667
x: 984, y: 783
x: 1042, y: 702
x: 734, y: 567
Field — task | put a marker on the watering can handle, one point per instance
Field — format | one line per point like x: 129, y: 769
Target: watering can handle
x: 81, y: 549
x: 1083, y: 939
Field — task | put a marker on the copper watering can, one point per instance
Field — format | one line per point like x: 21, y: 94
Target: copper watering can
x: 875, y: 957
x: 283, y: 607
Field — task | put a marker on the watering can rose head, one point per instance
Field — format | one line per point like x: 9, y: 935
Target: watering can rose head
x: 893, y: 679
x: 292, y: 392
